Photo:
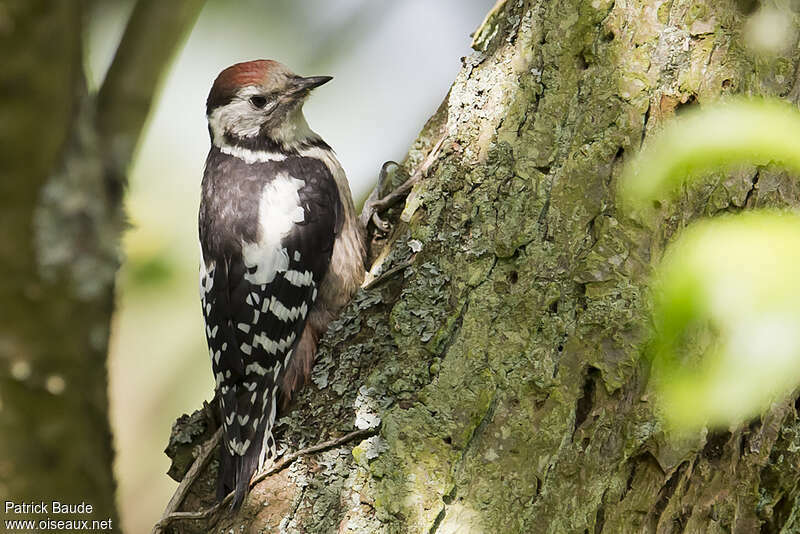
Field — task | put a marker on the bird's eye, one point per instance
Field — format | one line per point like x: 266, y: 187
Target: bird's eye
x: 258, y: 101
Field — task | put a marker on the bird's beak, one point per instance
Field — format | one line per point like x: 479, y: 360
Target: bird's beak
x: 301, y: 84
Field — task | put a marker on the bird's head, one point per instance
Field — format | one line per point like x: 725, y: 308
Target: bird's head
x: 259, y: 103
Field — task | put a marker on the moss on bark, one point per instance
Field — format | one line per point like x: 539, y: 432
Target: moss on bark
x: 504, y: 364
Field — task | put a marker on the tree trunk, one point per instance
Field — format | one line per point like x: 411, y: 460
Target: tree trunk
x: 504, y: 364
x: 63, y: 159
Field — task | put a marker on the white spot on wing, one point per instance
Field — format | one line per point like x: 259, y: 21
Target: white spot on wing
x: 275, y: 372
x: 296, y: 278
x: 285, y: 314
x: 272, y: 410
x: 206, y: 275
x: 273, y: 347
x: 255, y: 368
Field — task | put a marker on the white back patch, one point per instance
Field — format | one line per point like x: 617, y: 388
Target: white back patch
x: 278, y: 211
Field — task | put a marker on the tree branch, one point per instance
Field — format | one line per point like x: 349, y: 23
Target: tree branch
x: 154, y: 32
x: 170, y: 516
x: 191, y: 475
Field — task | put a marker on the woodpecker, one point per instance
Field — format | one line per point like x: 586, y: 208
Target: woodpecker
x: 282, y: 253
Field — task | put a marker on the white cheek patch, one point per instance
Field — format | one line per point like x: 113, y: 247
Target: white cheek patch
x: 238, y: 118
x: 278, y: 211
x: 241, y: 119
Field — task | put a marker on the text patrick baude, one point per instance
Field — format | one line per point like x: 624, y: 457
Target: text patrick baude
x: 41, y: 507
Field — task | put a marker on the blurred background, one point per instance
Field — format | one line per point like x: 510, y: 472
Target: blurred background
x: 393, y: 63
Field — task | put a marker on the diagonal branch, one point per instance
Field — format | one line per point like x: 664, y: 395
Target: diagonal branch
x: 194, y: 471
x: 170, y: 515
x: 153, y: 34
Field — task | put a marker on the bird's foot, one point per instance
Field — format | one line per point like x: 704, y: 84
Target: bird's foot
x: 376, y: 205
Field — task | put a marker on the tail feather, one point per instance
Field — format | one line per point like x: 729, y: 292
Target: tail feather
x: 237, y: 469
x: 247, y: 465
x: 226, y: 475
x: 235, y: 474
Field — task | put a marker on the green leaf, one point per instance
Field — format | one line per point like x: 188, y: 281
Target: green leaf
x: 735, y: 279
x: 740, y: 131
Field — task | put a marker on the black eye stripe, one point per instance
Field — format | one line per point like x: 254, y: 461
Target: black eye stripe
x: 258, y: 101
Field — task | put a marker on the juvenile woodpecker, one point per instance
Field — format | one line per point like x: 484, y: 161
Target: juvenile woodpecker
x: 282, y: 253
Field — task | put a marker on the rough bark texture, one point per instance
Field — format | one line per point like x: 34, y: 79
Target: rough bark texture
x: 504, y: 365
x: 61, y: 179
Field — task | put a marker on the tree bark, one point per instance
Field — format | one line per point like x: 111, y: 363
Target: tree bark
x: 61, y: 181
x: 504, y: 365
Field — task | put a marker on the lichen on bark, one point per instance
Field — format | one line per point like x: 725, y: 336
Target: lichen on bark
x: 505, y: 363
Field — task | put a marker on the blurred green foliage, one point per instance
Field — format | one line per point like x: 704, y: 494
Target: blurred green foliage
x: 755, y: 131
x: 726, y: 340
x: 151, y: 271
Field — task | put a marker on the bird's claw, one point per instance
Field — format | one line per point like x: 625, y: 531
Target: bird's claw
x: 373, y: 206
x: 380, y: 224
x: 376, y: 205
